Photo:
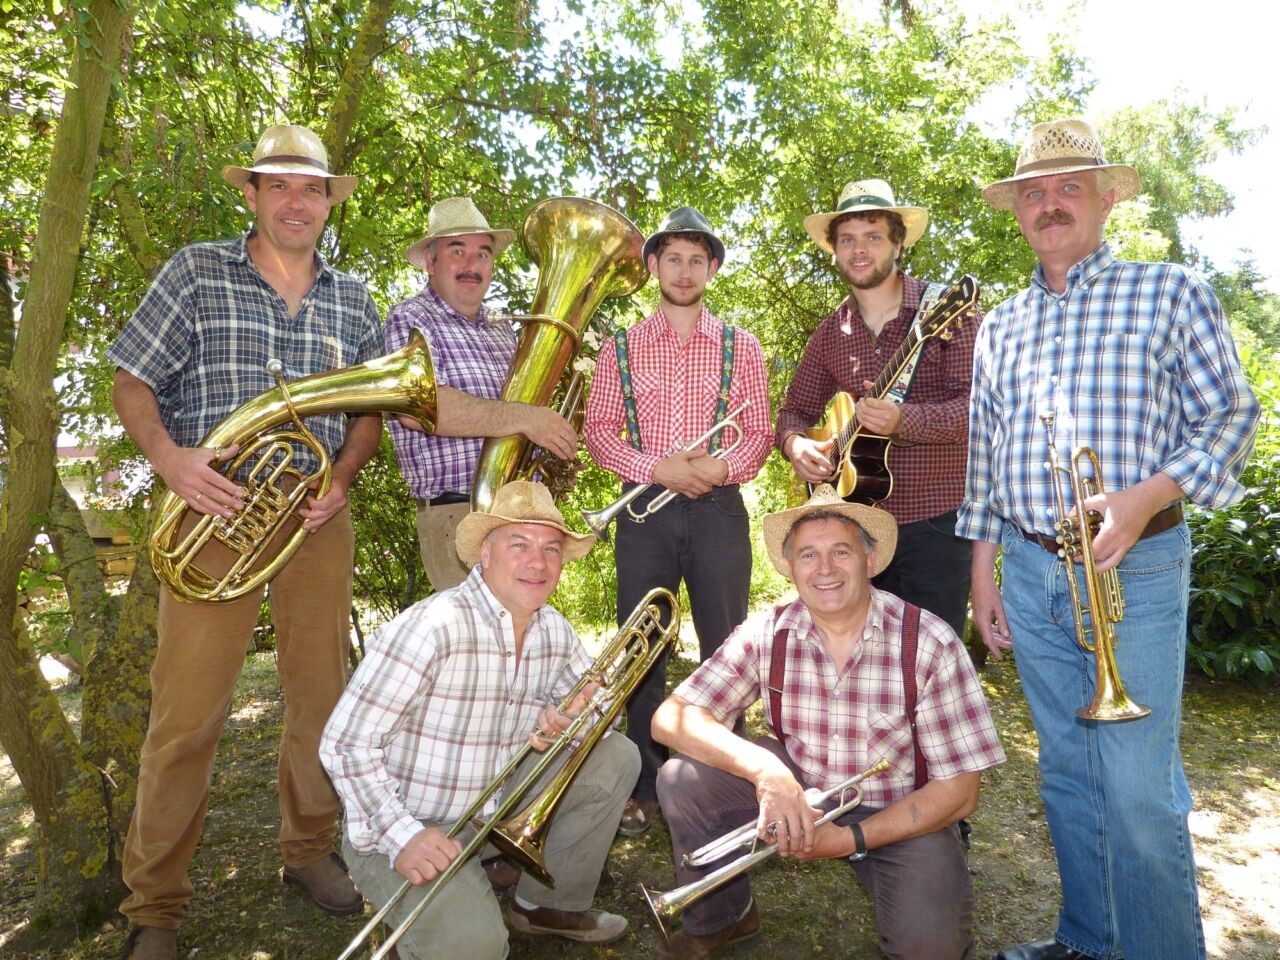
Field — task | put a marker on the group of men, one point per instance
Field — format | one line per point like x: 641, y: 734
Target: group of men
x: 1134, y: 360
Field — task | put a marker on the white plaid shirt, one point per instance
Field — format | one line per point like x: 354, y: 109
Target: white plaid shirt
x: 437, y: 708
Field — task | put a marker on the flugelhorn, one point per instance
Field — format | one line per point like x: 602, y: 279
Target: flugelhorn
x: 211, y: 558
x: 599, y: 520
x: 1105, y: 609
x: 671, y: 904
x: 586, y: 252
x: 639, y: 643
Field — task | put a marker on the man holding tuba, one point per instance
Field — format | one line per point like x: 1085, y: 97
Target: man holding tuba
x: 1135, y: 362
x: 447, y: 693
x: 838, y: 670
x: 657, y: 386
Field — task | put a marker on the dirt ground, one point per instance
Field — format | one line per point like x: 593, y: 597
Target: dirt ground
x: 241, y: 910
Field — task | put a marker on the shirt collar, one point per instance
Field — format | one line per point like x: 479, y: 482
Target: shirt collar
x: 1082, y: 273
x: 707, y: 325
x: 237, y: 251
x: 483, y: 317
x: 872, y: 630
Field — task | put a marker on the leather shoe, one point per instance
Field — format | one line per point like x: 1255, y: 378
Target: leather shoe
x: 745, y: 931
x: 581, y: 926
x: 502, y: 874
x: 151, y: 943
x: 637, y: 817
x: 327, y: 884
x: 1041, y: 950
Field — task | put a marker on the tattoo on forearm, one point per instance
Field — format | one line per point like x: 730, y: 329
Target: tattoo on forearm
x: 916, y: 813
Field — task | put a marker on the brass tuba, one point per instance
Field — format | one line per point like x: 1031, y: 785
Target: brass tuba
x: 586, y: 252
x: 213, y: 559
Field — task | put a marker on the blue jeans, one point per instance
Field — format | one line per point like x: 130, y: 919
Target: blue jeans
x: 1115, y: 794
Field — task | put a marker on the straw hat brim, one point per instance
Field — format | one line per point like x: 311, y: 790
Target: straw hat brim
x: 417, y: 254
x: 1124, y: 179
x: 340, y: 187
x: 476, y: 526
x: 878, y: 524
x: 915, y: 219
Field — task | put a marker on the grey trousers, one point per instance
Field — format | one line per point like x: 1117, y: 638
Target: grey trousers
x: 464, y: 921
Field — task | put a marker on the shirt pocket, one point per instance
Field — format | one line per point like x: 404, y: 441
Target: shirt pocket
x: 888, y: 734
x: 651, y: 396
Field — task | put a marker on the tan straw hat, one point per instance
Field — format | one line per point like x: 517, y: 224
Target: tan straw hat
x: 867, y: 195
x: 289, y: 148
x: 879, y: 526
x: 1063, y: 146
x: 519, y: 501
x: 456, y: 217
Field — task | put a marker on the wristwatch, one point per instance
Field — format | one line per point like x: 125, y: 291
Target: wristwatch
x: 859, y: 843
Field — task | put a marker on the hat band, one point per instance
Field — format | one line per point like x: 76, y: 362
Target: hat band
x: 292, y: 158
x: 865, y: 200
x: 1060, y: 162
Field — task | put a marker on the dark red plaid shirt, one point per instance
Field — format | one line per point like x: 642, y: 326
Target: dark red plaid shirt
x: 928, y: 455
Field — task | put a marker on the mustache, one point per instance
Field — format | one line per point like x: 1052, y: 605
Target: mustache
x: 470, y: 276
x: 1054, y: 216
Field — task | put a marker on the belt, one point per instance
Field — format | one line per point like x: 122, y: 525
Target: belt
x: 443, y: 500
x: 1166, y: 519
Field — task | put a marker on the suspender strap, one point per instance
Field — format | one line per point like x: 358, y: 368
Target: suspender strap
x: 777, y: 672
x: 628, y: 391
x: 910, y: 634
x: 726, y: 375
x: 898, y: 393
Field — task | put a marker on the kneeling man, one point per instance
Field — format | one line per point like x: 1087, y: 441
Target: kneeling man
x: 849, y: 675
x: 446, y: 695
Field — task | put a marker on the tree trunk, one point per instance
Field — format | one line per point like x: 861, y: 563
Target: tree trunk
x: 346, y: 102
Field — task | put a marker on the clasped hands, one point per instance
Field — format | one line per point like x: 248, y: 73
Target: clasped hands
x: 786, y: 819
x: 691, y: 472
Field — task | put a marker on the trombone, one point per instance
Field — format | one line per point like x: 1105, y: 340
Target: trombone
x: 1110, y: 703
x: 598, y: 520
x: 617, y: 671
x: 667, y: 905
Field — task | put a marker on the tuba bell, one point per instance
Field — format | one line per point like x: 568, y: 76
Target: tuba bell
x: 586, y: 253
x: 212, y: 559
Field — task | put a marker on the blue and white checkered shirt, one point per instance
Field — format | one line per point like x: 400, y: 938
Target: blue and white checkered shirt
x: 1134, y: 360
x: 202, y: 336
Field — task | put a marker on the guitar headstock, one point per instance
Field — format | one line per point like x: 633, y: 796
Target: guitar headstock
x: 950, y: 309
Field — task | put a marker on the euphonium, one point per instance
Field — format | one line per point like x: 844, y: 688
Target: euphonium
x: 213, y: 559
x: 1105, y: 609
x: 586, y: 252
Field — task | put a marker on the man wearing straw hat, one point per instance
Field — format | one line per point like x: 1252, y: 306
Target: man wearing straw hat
x: 1136, y: 362
x: 838, y: 670
x: 446, y: 695
x: 927, y: 420
x: 472, y: 350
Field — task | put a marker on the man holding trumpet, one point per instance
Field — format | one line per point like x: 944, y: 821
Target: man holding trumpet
x: 838, y: 670
x: 663, y: 383
x: 449, y: 691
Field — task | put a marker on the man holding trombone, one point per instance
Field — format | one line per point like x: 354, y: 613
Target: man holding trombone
x: 448, y: 693
x: 658, y: 391
x: 838, y: 670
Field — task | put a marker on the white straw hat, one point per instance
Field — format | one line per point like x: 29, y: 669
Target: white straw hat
x: 879, y: 526
x: 520, y: 501
x: 1063, y: 146
x: 289, y: 148
x: 871, y: 196
x: 456, y: 217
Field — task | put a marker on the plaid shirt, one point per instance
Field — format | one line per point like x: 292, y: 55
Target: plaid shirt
x: 469, y: 355
x: 676, y: 387
x: 839, y: 722
x: 1136, y: 361
x: 437, y: 707
x: 927, y: 459
x: 202, y: 336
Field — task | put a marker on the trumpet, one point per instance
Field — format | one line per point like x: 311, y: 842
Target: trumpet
x: 667, y: 905
x: 617, y: 671
x: 598, y: 520
x: 1110, y: 703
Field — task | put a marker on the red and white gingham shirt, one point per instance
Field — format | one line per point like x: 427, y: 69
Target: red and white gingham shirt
x: 840, y: 722
x: 437, y: 708
x: 676, y: 386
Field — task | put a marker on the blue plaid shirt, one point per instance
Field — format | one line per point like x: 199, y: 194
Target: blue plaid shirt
x: 202, y: 336
x: 1134, y: 360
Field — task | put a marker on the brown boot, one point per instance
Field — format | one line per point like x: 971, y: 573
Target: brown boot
x: 326, y: 882
x: 581, y: 926
x: 685, y: 946
x: 637, y: 817
x: 151, y: 943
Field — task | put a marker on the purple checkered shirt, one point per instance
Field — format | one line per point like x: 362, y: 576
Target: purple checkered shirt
x: 469, y: 355
x: 438, y: 707
x: 839, y: 722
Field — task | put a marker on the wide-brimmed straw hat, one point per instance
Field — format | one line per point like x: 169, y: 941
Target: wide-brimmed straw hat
x: 1063, y: 146
x: 879, y: 526
x: 456, y: 217
x: 289, y: 148
x: 873, y: 196
x: 520, y: 501
x: 684, y: 220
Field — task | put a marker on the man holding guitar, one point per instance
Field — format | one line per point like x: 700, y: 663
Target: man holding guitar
x: 904, y: 367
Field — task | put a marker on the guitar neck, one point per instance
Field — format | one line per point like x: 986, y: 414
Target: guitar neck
x: 883, y: 383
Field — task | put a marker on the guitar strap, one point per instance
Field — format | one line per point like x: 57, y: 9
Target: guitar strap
x: 898, y: 392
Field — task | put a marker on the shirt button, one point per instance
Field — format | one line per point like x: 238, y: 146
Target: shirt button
x: 1054, y: 378
x: 1048, y: 465
x: 1057, y: 339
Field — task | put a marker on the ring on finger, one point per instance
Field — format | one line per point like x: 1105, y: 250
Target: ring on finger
x: 198, y: 496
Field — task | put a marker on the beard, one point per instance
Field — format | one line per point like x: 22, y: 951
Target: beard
x: 869, y: 281
x: 680, y: 298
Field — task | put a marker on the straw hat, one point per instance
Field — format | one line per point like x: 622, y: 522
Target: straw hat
x: 456, y: 217
x: 289, y: 148
x: 519, y: 501
x: 880, y: 527
x: 870, y: 195
x: 684, y: 220
x: 1063, y: 146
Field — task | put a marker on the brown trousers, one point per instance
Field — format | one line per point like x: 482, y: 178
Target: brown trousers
x: 200, y: 653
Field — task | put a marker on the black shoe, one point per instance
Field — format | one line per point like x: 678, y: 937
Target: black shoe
x: 1041, y: 950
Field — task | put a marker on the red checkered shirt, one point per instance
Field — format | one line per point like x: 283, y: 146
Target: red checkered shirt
x: 676, y: 386
x: 838, y: 722
x: 927, y: 459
